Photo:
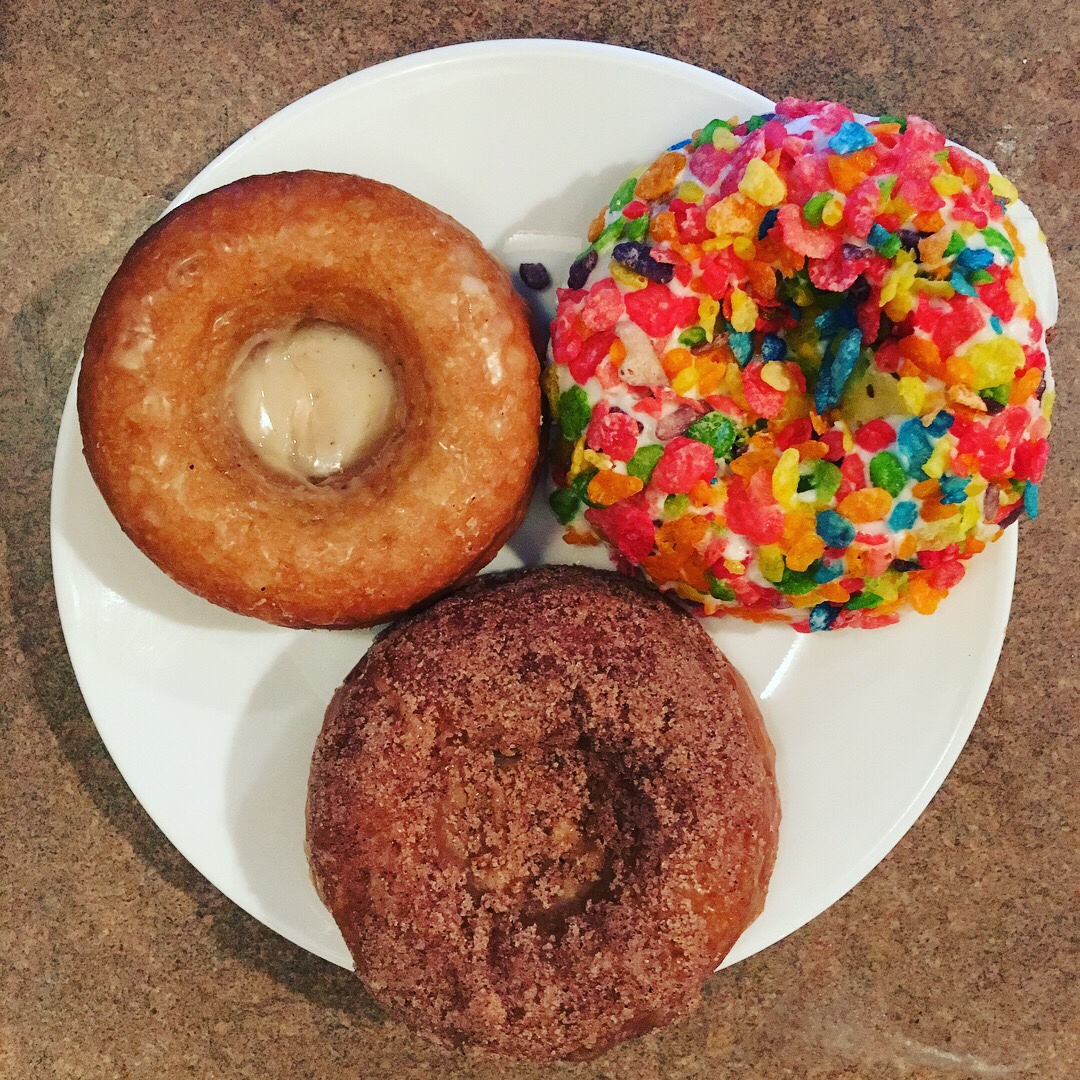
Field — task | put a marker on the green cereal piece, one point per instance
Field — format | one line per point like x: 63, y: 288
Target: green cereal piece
x: 812, y: 208
x: 754, y: 123
x: 574, y: 413
x: 956, y: 244
x: 638, y: 229
x: 863, y: 600
x: 675, y: 506
x: 718, y: 588
x: 796, y: 582
x: 886, y: 472
x: 709, y: 130
x: 694, y: 335
x: 624, y: 195
x: 715, y: 430
x: 644, y: 461
x: 826, y: 477
x: 995, y: 239
x: 565, y: 503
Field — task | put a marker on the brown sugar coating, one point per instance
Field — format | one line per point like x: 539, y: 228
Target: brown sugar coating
x: 430, y: 507
x: 542, y: 812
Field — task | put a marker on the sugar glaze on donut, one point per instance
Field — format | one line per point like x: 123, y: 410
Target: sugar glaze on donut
x: 541, y: 812
x: 275, y: 255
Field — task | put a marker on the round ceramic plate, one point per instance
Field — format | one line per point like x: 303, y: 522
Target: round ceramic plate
x: 211, y: 717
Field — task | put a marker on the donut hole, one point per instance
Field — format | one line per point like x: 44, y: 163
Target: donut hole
x: 543, y: 834
x: 315, y: 400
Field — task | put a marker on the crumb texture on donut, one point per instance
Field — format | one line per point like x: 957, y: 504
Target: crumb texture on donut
x: 262, y: 255
x: 542, y: 812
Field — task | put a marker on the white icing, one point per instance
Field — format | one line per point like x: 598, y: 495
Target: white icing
x: 313, y: 400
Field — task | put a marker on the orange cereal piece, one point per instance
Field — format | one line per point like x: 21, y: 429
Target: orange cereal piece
x: 935, y: 510
x: 705, y: 494
x: 834, y: 592
x: 664, y: 227
x: 753, y: 460
x: 924, y: 354
x: 596, y: 226
x: 804, y: 551
x: 581, y: 537
x: 676, y: 360
x: 926, y: 489
x: 923, y: 597
x: 1025, y: 386
x: 660, y: 177
x: 812, y: 450
x: 609, y: 487
x: 866, y: 504
x: 908, y: 546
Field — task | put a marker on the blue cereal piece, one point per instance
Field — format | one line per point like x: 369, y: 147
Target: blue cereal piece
x: 822, y: 616
x: 852, y: 136
x: 940, y: 424
x: 961, y: 284
x: 914, y: 445
x: 742, y: 345
x: 903, y: 516
x: 767, y: 222
x: 834, y: 530
x: 953, y: 489
x: 829, y: 571
x: 1031, y: 499
x: 773, y: 347
x: 974, y: 259
x: 836, y: 370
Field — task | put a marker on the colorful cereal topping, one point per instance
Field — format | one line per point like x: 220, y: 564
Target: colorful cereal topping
x: 798, y: 373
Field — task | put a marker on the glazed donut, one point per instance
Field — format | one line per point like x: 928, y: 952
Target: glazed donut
x: 541, y: 812
x: 799, y: 370
x: 183, y: 329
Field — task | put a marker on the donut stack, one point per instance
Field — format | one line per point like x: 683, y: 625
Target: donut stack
x: 798, y: 371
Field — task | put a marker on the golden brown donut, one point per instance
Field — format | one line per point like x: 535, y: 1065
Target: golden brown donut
x: 429, y: 508
x: 541, y: 812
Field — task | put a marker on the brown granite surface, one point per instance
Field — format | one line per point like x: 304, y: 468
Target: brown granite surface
x: 956, y: 957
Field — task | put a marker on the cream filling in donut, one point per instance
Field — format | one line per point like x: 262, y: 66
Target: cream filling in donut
x: 314, y: 399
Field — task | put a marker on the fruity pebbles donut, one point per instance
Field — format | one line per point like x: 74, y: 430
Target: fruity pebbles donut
x: 541, y: 812
x: 799, y: 371
x: 312, y: 398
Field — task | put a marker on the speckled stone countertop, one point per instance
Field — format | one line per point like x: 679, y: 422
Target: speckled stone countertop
x: 956, y: 957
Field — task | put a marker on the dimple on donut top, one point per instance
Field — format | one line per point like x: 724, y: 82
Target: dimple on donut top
x: 798, y: 370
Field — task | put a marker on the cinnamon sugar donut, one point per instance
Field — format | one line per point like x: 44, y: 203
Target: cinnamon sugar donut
x: 542, y: 812
x: 180, y: 333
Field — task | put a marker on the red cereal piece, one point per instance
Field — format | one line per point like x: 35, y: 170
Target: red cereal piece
x: 612, y: 432
x: 760, y: 521
x: 834, y: 440
x: 948, y: 322
x: 690, y: 221
x: 603, y: 307
x: 1030, y: 459
x: 798, y: 431
x: 835, y: 273
x: 626, y: 525
x: 763, y: 399
x: 802, y: 237
x: 861, y: 207
x: 946, y: 575
x: 685, y: 462
x: 887, y: 358
x: 584, y: 363
x: 658, y: 311
x: 875, y: 435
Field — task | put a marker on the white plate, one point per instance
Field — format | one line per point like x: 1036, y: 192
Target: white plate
x: 211, y: 717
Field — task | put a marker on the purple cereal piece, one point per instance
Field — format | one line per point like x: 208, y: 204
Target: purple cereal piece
x: 535, y: 275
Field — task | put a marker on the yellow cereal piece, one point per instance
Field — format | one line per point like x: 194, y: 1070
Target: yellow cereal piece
x: 771, y: 562
x: 966, y: 228
x: 941, y: 289
x: 913, y: 393
x: 762, y: 183
x: 690, y: 192
x: 939, y: 459
x: 994, y: 362
x: 734, y: 567
x: 947, y: 184
x: 596, y: 459
x: 577, y: 459
x: 685, y: 380
x: 707, y: 310
x: 775, y: 374
x: 744, y: 312
x: 744, y: 247
x: 627, y: 277
x: 1003, y: 188
x: 549, y: 383
x: 724, y: 139
x: 833, y: 212
x: 716, y: 243
x: 785, y: 477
